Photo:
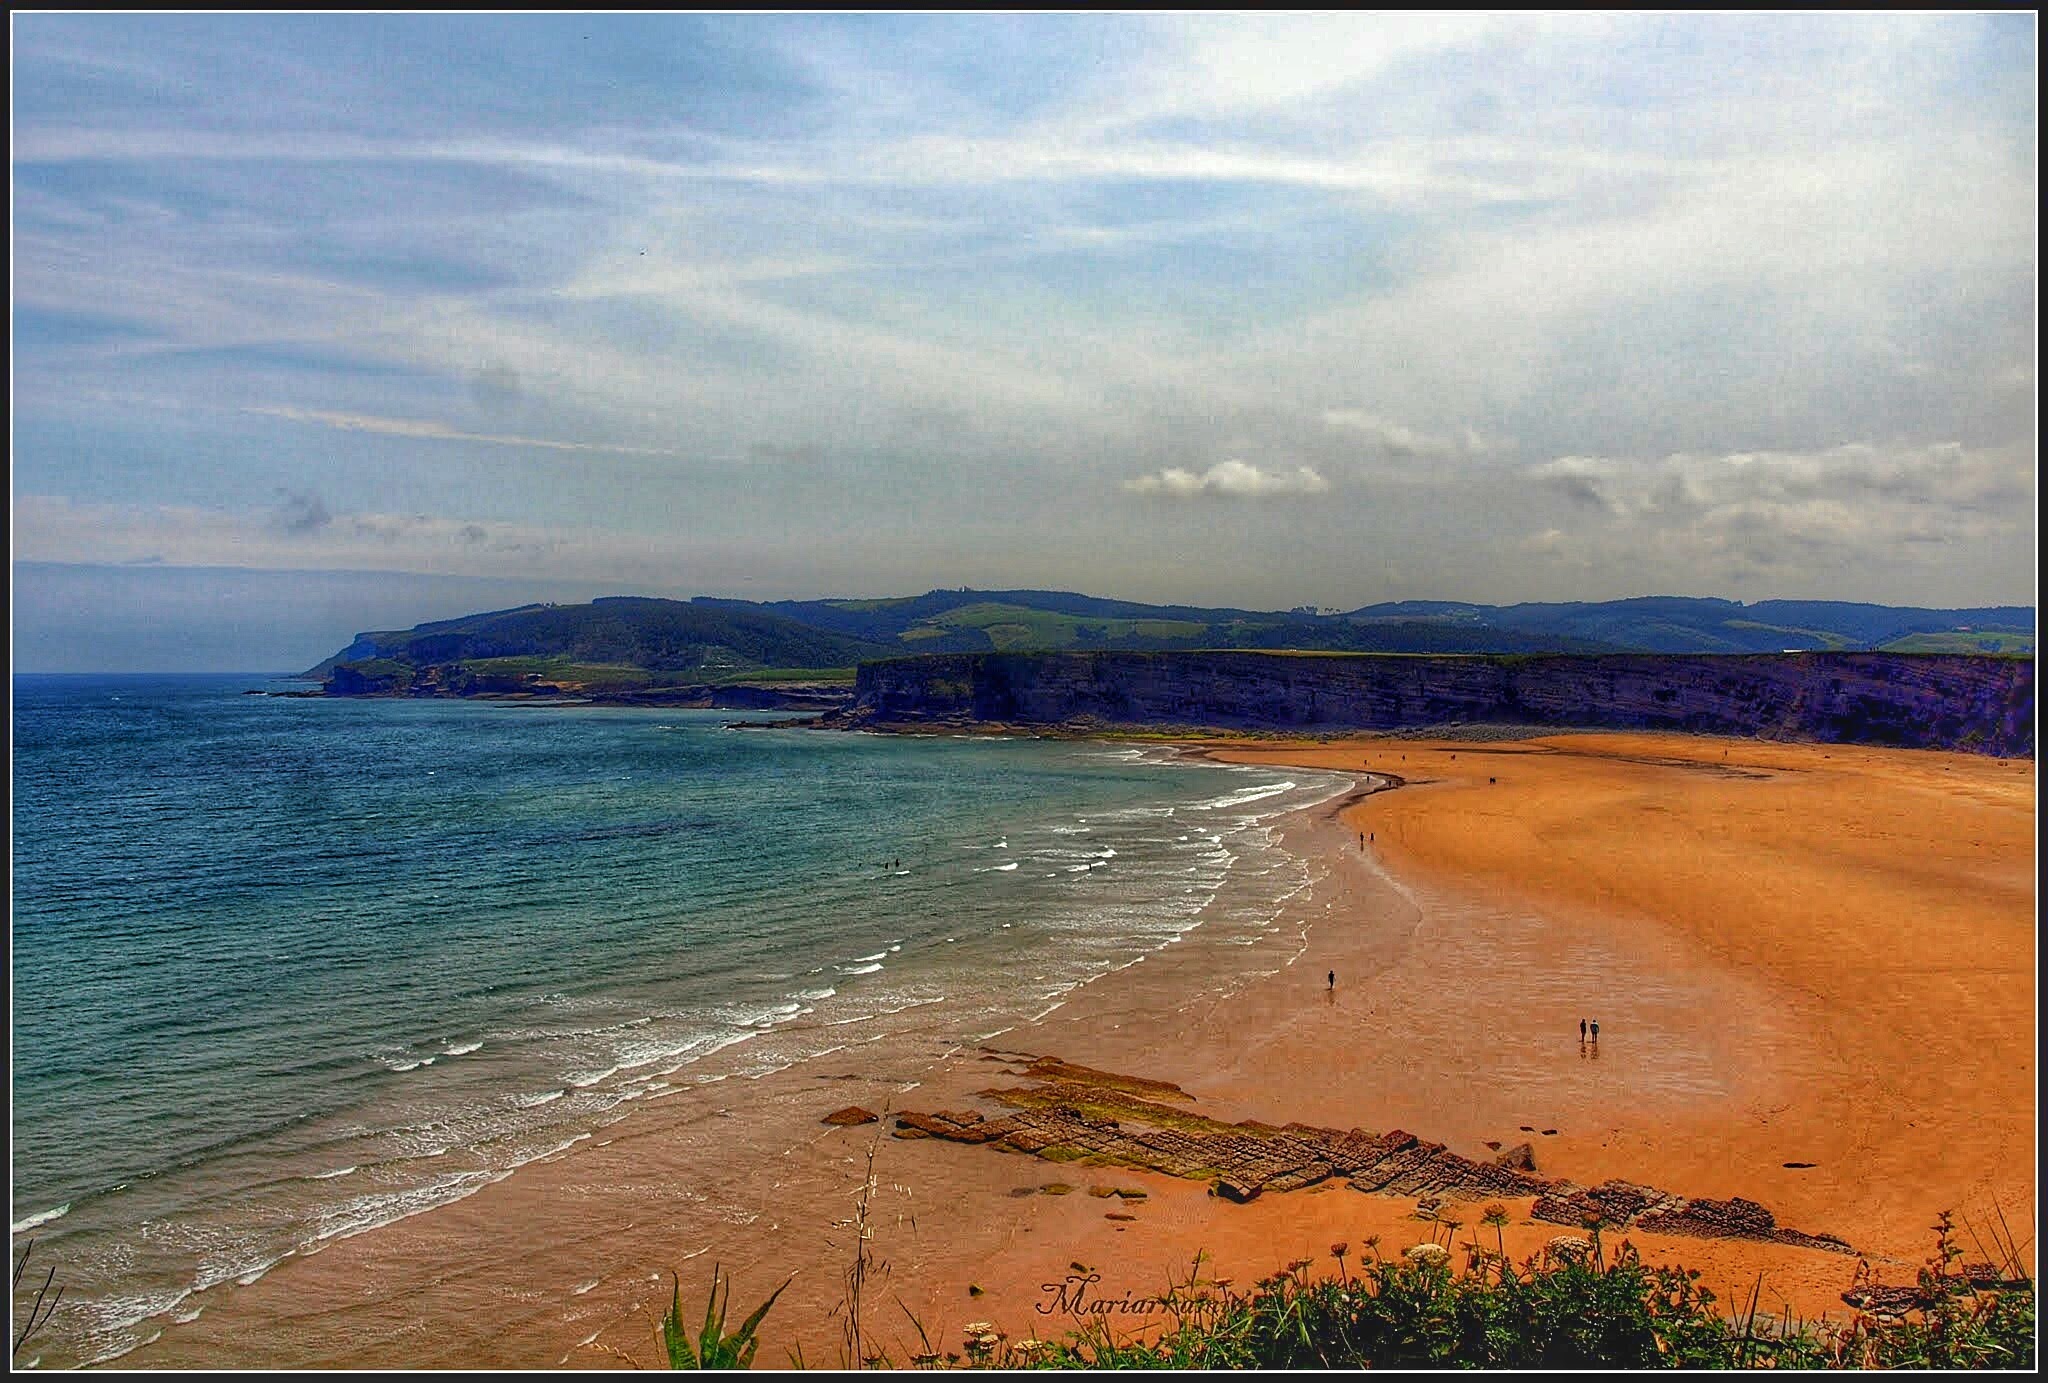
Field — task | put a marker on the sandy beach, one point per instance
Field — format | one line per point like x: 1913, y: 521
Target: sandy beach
x: 1797, y: 954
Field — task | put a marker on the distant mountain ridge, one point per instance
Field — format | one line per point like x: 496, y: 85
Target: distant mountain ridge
x: 628, y: 642
x: 933, y: 622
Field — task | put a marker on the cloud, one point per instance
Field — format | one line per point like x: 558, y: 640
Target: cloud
x: 304, y: 513
x: 301, y: 533
x: 1398, y: 440
x: 1781, y: 511
x: 923, y: 265
x: 441, y: 432
x: 1230, y: 480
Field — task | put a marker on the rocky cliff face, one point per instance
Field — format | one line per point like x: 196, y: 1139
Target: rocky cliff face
x: 388, y: 677
x: 1985, y: 705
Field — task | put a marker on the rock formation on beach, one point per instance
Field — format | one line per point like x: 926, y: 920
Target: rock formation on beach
x: 1073, y: 1114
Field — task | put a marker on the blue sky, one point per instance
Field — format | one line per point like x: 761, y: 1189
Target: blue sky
x: 353, y: 320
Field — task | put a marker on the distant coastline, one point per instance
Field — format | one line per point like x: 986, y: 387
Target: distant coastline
x: 1975, y: 704
x: 1052, y: 662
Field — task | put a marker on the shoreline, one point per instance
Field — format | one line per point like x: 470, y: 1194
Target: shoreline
x: 1457, y: 1045
x: 1783, y: 1084
x: 665, y: 1153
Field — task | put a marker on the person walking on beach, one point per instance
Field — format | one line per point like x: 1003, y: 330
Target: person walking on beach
x: 1333, y: 981
x: 1582, y: 1030
x: 1596, y: 1032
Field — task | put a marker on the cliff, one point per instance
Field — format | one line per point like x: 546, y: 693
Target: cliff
x: 388, y: 677
x: 1984, y: 705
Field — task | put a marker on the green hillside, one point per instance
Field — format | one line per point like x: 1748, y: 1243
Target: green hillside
x: 613, y: 644
x: 1019, y: 626
x: 1966, y: 641
x: 974, y: 621
x: 626, y: 643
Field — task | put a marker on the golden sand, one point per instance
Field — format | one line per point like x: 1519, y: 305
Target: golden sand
x: 1885, y: 897
x: 1797, y: 954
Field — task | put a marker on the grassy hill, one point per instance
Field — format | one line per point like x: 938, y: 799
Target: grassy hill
x: 616, y: 643
x: 971, y: 621
x: 629, y: 642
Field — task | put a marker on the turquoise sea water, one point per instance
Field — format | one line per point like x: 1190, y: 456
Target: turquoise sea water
x: 288, y: 969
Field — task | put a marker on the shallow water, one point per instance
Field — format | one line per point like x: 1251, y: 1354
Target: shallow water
x: 290, y: 969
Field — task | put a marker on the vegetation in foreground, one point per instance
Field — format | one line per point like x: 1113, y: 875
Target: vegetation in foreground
x: 1573, y: 1306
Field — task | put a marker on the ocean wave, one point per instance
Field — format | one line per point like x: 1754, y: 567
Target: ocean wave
x: 41, y: 1218
x: 462, y: 1048
x: 536, y: 1101
x: 329, y: 1176
x: 998, y: 868
x: 885, y: 1012
x: 113, y: 1314
x: 560, y: 1147
x: 861, y: 969
x: 378, y: 1209
x: 1244, y: 796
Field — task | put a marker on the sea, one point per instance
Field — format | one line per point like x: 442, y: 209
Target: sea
x: 288, y: 969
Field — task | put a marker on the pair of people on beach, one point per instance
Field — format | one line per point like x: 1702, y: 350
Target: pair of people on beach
x: 1582, y: 1031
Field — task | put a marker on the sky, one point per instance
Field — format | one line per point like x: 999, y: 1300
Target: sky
x: 340, y: 322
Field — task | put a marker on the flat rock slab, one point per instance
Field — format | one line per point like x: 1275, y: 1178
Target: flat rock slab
x: 1071, y: 1113
x: 851, y: 1115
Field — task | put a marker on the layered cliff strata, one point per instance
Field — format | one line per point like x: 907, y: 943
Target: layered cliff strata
x: 1929, y: 701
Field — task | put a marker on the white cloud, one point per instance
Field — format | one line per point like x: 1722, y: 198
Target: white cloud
x: 440, y: 432
x: 1408, y: 254
x: 1386, y: 435
x: 1229, y: 479
x: 1736, y: 513
x: 1215, y: 66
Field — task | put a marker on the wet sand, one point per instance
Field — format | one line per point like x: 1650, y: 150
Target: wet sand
x: 1796, y: 953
